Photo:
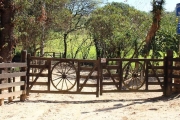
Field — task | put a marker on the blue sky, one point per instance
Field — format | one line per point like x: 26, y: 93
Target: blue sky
x: 145, y: 5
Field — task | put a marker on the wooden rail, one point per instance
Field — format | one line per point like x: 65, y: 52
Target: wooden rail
x: 13, y: 76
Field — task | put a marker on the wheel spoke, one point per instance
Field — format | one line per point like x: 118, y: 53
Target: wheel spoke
x: 55, y: 74
x: 66, y: 84
x: 56, y: 79
x: 65, y: 76
x: 68, y: 69
x: 59, y: 82
x: 62, y: 84
x: 69, y: 81
x: 133, y: 73
x: 59, y: 70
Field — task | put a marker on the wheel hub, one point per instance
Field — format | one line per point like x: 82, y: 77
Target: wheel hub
x: 64, y: 75
x: 134, y: 75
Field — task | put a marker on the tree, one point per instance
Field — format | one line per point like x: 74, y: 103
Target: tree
x: 166, y: 37
x: 75, y: 16
x: 116, y: 28
x: 7, y: 40
x: 157, y: 14
x: 34, y: 22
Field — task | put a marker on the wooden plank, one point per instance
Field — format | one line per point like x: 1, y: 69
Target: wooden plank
x: 155, y: 67
x: 113, y: 75
x: 8, y: 65
x: 6, y: 95
x: 87, y: 61
x: 155, y: 83
x: 38, y: 66
x: 39, y: 83
x: 174, y: 76
x: 175, y: 84
x: 110, y: 83
x: 175, y: 67
x: 7, y: 85
x: 40, y: 75
x: 112, y: 67
x: 89, y: 85
x: 86, y: 68
x: 10, y: 75
x: 85, y: 76
x: 155, y: 75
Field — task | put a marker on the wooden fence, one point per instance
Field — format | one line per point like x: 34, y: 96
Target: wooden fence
x: 51, y: 54
x: 13, y: 80
x: 163, y: 75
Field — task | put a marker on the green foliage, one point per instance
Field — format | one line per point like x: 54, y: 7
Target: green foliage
x: 114, y: 30
x: 115, y: 26
x: 166, y: 37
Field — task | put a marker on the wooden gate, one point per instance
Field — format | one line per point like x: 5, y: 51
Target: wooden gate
x: 132, y: 75
x: 65, y: 76
x: 73, y: 76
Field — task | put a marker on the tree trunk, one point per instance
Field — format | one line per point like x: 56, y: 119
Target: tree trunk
x: 7, y: 41
x: 65, y: 45
x: 98, y: 52
x: 42, y: 42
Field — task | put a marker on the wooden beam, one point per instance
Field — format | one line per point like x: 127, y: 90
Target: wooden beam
x: 7, y: 85
x: 6, y: 95
x: 10, y: 75
x: 8, y: 65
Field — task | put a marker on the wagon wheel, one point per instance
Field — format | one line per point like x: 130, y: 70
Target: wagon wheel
x: 63, y: 76
x: 133, y: 75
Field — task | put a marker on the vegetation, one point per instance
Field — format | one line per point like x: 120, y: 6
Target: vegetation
x: 86, y: 29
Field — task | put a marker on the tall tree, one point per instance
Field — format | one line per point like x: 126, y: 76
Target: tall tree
x: 157, y: 14
x: 74, y: 18
x: 7, y: 40
x: 34, y: 22
x: 116, y: 28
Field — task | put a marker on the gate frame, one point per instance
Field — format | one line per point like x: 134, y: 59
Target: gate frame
x: 166, y: 86
x: 48, y: 66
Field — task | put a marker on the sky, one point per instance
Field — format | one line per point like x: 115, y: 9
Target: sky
x: 145, y: 5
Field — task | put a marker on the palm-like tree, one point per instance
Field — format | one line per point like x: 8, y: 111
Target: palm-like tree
x: 157, y: 14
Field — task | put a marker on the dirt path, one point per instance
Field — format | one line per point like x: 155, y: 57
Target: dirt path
x: 113, y: 106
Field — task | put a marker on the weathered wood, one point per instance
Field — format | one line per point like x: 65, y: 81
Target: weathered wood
x: 155, y: 67
x: 7, y: 85
x: 9, y: 65
x: 116, y: 76
x: 10, y: 75
x: 155, y: 75
x: 110, y: 83
x: 39, y: 83
x: 155, y: 83
x: 109, y: 75
x: 38, y: 66
x: 168, y: 72
x: 28, y: 72
x: 86, y: 68
x: 23, y: 78
x: 91, y: 77
x: 40, y: 75
x: 6, y: 95
x: 88, y: 85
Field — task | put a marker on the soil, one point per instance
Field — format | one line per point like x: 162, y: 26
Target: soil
x: 109, y: 106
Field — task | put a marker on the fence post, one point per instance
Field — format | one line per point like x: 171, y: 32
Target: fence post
x: 49, y: 73
x: 23, y: 78
x: 1, y: 100
x: 28, y: 70
x: 168, y: 72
